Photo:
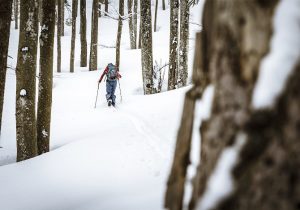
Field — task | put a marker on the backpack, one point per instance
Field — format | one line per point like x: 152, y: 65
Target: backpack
x: 112, y: 72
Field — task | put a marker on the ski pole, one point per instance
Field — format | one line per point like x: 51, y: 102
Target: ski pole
x: 120, y: 90
x: 97, y: 95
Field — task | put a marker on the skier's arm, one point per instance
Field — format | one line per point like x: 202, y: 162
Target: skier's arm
x: 119, y: 75
x: 104, y: 72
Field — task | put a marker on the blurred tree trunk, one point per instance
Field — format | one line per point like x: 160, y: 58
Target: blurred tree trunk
x: 5, y: 19
x: 155, y: 16
x: 119, y: 34
x: 45, y: 76
x: 131, y: 25
x: 94, y: 37
x: 62, y: 17
x: 135, y: 10
x: 99, y: 7
x: 173, y: 56
x: 26, y: 81
x: 40, y: 12
x: 16, y: 13
x: 146, y: 40
x: 183, y: 44
x: 58, y: 34
x: 83, y: 54
x: 106, y: 7
x: 73, y: 39
x: 163, y: 4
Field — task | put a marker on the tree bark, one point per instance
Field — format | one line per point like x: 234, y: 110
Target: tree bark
x: 62, y: 17
x: 58, y: 34
x: 163, y: 4
x: 173, y: 59
x: 16, y: 8
x: 83, y: 57
x: 74, y: 16
x: 155, y: 16
x: 146, y: 40
x: 131, y: 25
x: 183, y: 44
x: 135, y: 10
x: 94, y: 37
x: 119, y: 35
x: 45, y: 76
x: 26, y: 82
x: 5, y: 19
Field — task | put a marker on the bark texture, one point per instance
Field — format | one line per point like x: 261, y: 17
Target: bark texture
x: 131, y: 25
x: 134, y: 22
x: 173, y: 55
x: 26, y: 79
x: 5, y: 9
x: 183, y: 44
x: 45, y: 76
x: 63, y: 17
x: 83, y: 54
x: 94, y: 37
x: 119, y: 33
x: 74, y: 16
x: 146, y: 41
x: 16, y: 13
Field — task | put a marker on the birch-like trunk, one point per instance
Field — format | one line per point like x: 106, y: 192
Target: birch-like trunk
x: 45, y: 76
x: 26, y: 81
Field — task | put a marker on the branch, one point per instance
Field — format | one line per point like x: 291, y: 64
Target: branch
x: 194, y: 23
x: 124, y: 17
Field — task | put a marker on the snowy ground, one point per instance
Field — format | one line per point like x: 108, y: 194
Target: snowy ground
x: 103, y: 158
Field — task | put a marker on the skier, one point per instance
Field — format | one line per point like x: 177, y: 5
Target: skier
x: 112, y: 75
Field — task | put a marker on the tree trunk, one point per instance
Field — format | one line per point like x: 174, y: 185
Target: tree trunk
x: 16, y: 8
x: 140, y: 33
x: 106, y: 7
x: 146, y: 39
x: 73, y: 39
x: 120, y: 25
x: 83, y: 57
x: 155, y: 17
x: 62, y: 17
x: 183, y: 44
x: 40, y: 12
x: 163, y: 4
x: 45, y: 76
x: 94, y: 37
x: 58, y: 34
x: 131, y: 25
x: 135, y: 8
x: 99, y: 6
x: 173, y: 60
x: 26, y: 82
x: 5, y: 19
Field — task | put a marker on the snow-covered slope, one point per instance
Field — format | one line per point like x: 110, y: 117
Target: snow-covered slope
x: 101, y: 158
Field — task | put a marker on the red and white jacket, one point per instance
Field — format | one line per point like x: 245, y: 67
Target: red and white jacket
x: 106, y: 71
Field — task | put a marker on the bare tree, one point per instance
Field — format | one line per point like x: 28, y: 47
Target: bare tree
x: 94, y: 37
x: 26, y: 81
x: 134, y: 20
x: 63, y: 2
x: 146, y: 40
x: 155, y: 16
x: 106, y: 7
x: 131, y: 25
x: 74, y: 16
x: 173, y: 57
x: 45, y: 76
x: 163, y: 4
x: 6, y: 9
x: 59, y: 33
x: 182, y: 72
x: 83, y: 54
x: 119, y: 35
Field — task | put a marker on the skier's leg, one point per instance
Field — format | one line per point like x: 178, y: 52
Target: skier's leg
x: 113, y: 96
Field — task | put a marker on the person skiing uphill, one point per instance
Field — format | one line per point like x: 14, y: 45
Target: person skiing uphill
x: 112, y: 75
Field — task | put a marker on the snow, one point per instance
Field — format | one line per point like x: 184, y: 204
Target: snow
x: 23, y: 92
x: 284, y: 54
x: 222, y: 175
x: 100, y: 158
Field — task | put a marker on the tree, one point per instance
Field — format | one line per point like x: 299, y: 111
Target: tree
x: 155, y: 16
x: 63, y: 2
x: 134, y: 21
x: 94, y: 37
x: 25, y: 75
x: 163, y: 4
x: 45, y: 76
x: 74, y: 16
x: 16, y: 13
x: 131, y: 25
x: 146, y: 40
x: 59, y: 33
x: 83, y: 57
x: 6, y: 9
x: 182, y: 73
x: 173, y: 59
x: 119, y: 33
x: 106, y: 7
